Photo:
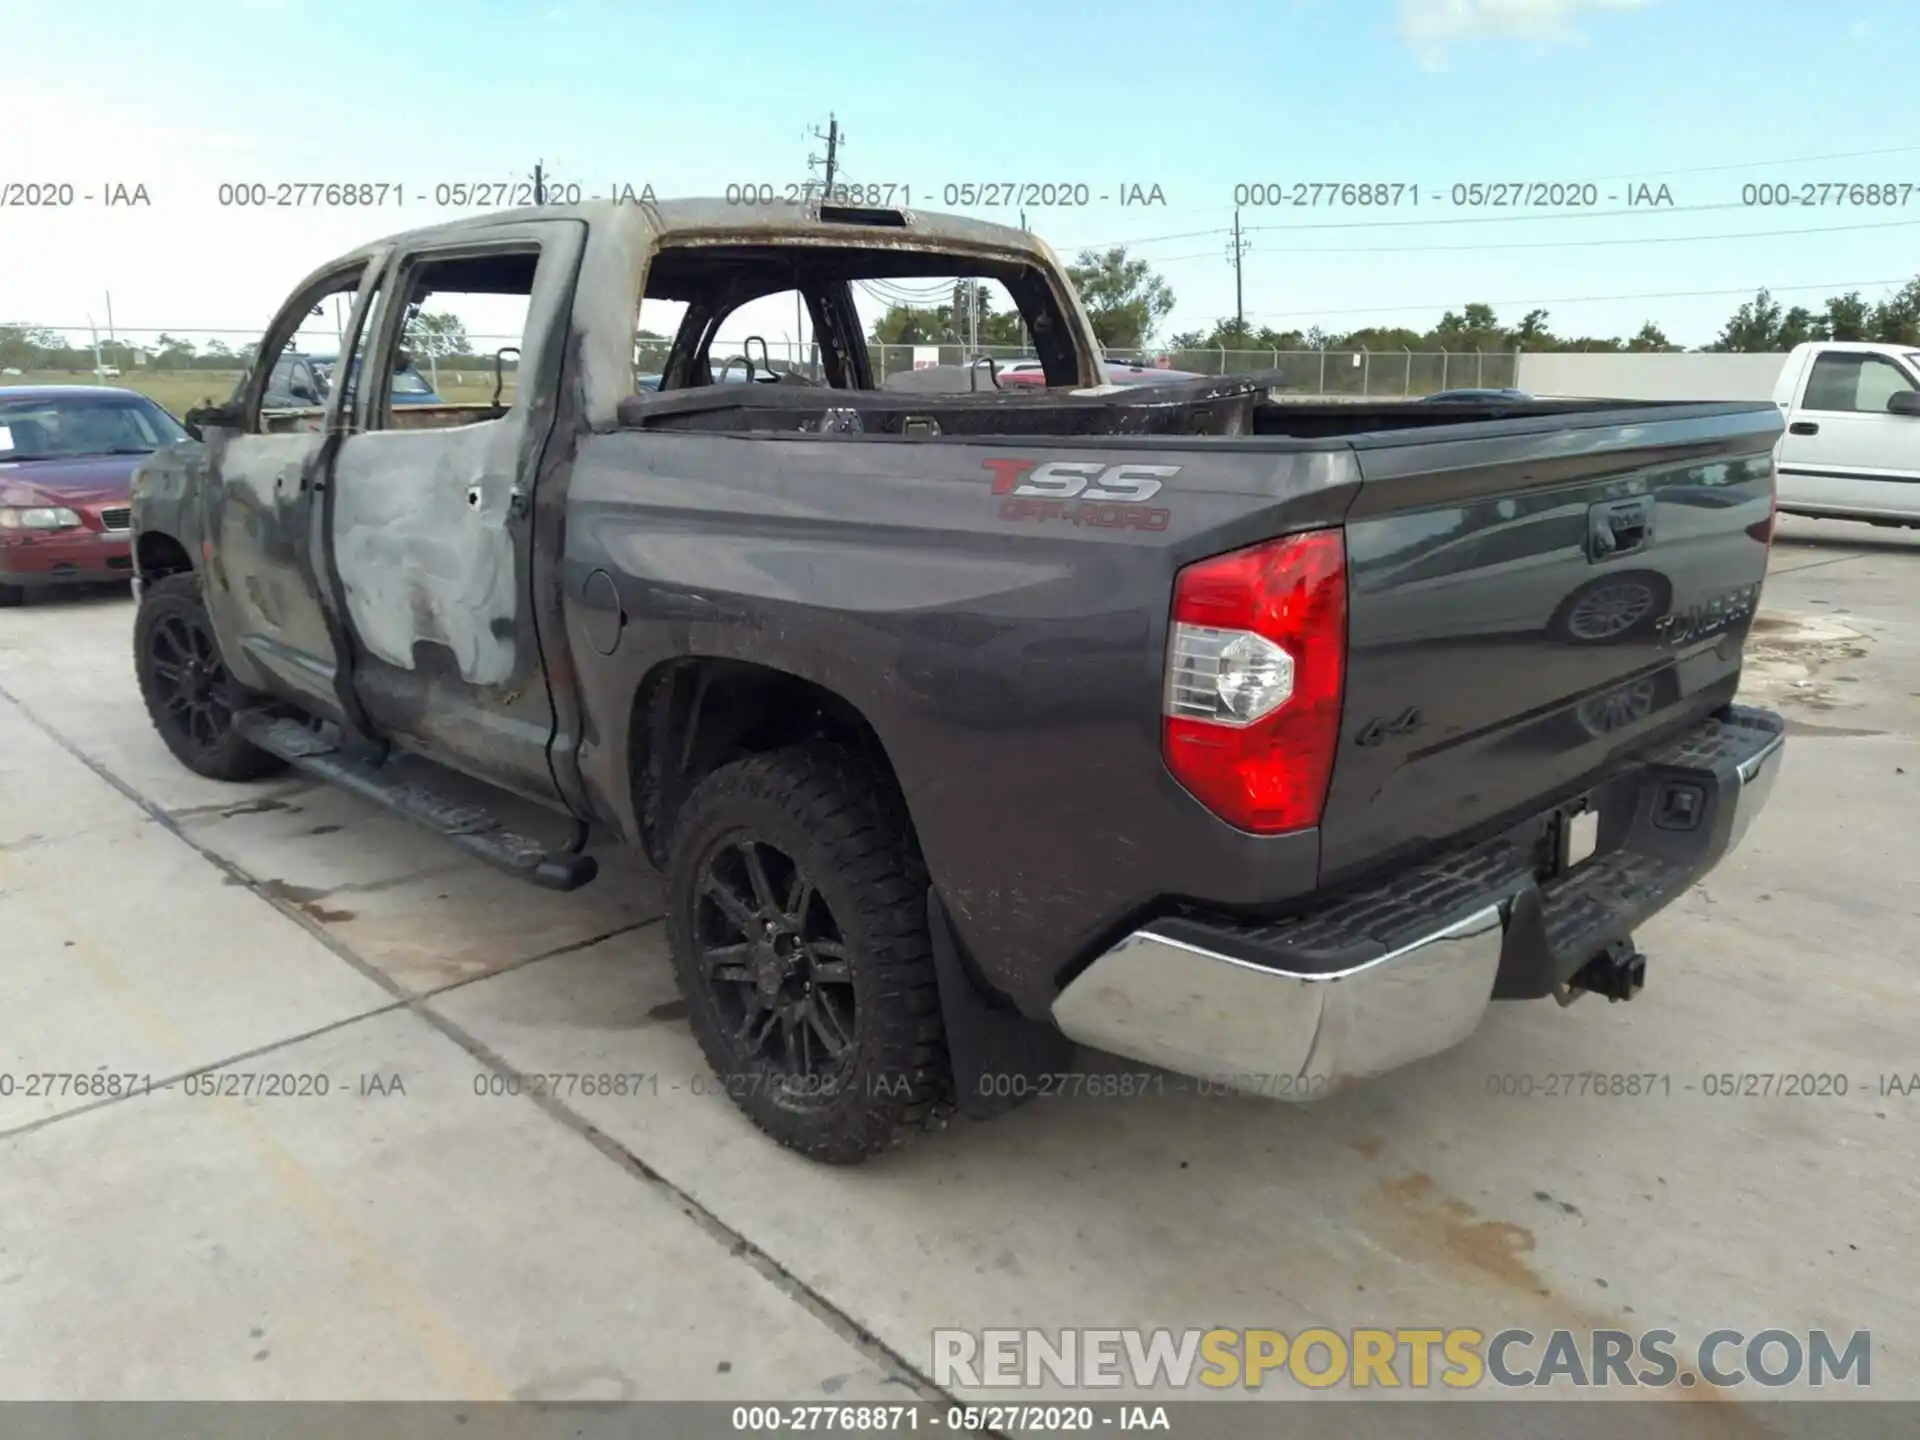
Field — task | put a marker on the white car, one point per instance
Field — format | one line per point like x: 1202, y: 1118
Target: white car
x: 1851, y: 450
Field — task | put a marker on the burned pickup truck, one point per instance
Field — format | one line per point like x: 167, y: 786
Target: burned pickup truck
x: 1264, y: 742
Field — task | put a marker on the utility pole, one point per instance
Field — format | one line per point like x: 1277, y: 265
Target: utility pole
x: 1235, y: 252
x: 539, y: 182
x: 835, y: 138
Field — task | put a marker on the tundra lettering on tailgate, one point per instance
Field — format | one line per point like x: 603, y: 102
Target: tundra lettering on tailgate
x: 1084, y: 492
x: 1720, y: 612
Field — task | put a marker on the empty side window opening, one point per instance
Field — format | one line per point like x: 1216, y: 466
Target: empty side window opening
x: 461, y: 329
x: 300, y: 369
x: 847, y: 319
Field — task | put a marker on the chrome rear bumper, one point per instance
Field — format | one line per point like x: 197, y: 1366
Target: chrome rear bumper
x: 1254, y: 1022
x: 1277, y: 1032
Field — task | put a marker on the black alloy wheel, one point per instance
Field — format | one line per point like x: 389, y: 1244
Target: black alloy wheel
x: 190, y: 680
x: 775, y: 963
x: 191, y: 696
x: 797, y: 921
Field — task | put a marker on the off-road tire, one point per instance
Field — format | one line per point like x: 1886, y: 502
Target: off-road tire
x: 839, y: 819
x: 168, y: 608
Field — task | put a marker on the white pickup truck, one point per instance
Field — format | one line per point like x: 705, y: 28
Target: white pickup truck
x: 1851, y: 450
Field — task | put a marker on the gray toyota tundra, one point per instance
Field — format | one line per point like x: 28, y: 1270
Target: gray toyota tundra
x: 1260, y: 741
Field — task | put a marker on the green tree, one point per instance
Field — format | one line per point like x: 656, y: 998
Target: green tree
x: 1896, y: 320
x: 1651, y: 337
x: 911, y: 325
x: 1382, y: 338
x: 1532, y: 332
x: 1237, y: 335
x: 947, y: 324
x: 435, y: 335
x: 28, y: 347
x: 1475, y: 327
x: 1125, y: 299
x: 1847, y: 317
x: 170, y: 353
x: 1754, y: 328
x: 1798, y: 326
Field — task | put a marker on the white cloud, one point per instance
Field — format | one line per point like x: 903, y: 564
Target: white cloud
x: 1430, y: 26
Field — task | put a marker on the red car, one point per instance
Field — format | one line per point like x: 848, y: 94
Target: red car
x: 67, y: 453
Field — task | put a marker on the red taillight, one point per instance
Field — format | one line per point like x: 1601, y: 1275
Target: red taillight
x: 1256, y: 662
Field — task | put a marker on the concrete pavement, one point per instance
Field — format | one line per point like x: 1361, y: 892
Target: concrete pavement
x: 442, y: 1240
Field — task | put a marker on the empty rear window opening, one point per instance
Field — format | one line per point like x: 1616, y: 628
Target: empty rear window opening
x: 457, y: 354
x: 737, y: 319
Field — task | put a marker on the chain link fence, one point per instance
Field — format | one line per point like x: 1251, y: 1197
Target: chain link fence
x: 1387, y: 374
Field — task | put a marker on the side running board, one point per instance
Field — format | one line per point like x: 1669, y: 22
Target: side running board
x: 473, y: 828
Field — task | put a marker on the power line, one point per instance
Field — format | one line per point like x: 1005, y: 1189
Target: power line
x: 901, y: 295
x: 1531, y: 244
x: 1443, y: 220
x: 1760, y: 164
x: 1831, y: 287
x: 1575, y: 214
x: 1557, y: 244
x: 1509, y: 219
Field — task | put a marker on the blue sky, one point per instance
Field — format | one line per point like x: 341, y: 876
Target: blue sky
x: 1703, y: 96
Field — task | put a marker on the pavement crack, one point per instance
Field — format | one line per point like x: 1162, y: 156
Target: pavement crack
x: 570, y: 948
x: 165, y: 1084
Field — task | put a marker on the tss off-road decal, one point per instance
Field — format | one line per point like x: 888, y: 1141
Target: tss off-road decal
x: 1084, y: 492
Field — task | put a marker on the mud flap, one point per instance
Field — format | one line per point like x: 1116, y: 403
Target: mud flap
x: 999, y: 1056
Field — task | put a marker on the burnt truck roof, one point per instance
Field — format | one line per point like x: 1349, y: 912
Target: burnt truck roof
x: 622, y: 236
x: 659, y: 222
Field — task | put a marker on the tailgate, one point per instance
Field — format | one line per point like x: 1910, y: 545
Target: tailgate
x: 1531, y: 599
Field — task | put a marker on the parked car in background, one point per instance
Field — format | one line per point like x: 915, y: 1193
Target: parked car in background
x: 739, y: 371
x: 1009, y: 370
x: 1018, y: 372
x: 1125, y: 372
x: 67, y: 453
x: 1118, y: 372
x: 1851, y: 450
x: 302, y: 382
x: 1464, y: 396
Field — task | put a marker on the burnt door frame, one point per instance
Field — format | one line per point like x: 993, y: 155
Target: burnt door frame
x: 429, y: 533
x: 264, y: 572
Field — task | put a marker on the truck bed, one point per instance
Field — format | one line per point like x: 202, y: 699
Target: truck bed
x: 1009, y: 649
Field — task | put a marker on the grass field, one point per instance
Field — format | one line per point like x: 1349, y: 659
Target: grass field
x: 180, y: 390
